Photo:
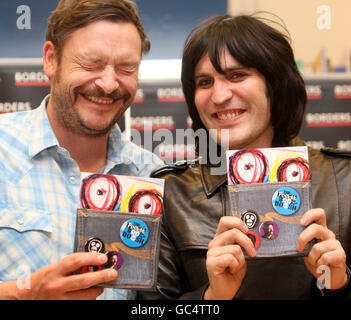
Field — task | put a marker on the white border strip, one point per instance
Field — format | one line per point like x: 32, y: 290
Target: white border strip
x: 149, y: 71
x: 328, y: 76
x: 21, y: 61
x: 164, y: 70
x: 160, y: 70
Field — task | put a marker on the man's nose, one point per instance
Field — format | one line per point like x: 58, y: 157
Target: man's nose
x: 108, y: 80
x: 221, y: 92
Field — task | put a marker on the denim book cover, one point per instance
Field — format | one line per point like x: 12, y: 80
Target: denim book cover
x: 131, y: 242
x: 121, y: 217
x: 272, y: 212
x: 270, y: 189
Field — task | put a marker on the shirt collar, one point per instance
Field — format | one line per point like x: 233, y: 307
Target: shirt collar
x: 43, y: 135
x: 120, y: 151
x: 116, y: 145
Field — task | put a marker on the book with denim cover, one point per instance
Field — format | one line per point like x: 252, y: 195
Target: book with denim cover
x: 121, y: 217
x: 270, y: 189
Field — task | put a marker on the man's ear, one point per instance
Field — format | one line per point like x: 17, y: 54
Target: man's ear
x: 49, y: 59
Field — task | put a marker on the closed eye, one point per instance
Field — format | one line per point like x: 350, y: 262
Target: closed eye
x: 127, y: 69
x: 91, y: 67
x: 89, y: 64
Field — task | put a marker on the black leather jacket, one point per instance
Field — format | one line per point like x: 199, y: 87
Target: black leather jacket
x: 194, y: 202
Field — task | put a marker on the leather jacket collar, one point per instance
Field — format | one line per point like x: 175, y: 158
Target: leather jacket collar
x: 211, y: 182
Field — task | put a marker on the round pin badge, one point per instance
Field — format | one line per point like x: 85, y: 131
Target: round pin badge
x: 254, y: 238
x: 269, y: 230
x: 286, y: 201
x: 114, y: 260
x: 94, y: 245
x: 134, y: 233
x: 250, y: 218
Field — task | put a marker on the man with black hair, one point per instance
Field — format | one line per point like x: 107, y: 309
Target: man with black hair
x: 239, y: 77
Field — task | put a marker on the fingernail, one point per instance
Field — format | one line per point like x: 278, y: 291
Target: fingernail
x: 112, y: 273
x: 102, y: 258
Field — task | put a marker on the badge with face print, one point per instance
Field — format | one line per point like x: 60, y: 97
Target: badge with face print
x: 269, y: 230
x: 114, y: 260
x: 94, y: 245
x: 250, y: 218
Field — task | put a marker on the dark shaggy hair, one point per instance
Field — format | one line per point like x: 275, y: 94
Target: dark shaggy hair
x: 254, y: 44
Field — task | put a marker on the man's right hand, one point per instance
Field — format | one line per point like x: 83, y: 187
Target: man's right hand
x: 57, y: 282
x: 226, y: 264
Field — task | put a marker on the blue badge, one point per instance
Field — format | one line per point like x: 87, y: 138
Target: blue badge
x: 134, y: 233
x: 286, y: 201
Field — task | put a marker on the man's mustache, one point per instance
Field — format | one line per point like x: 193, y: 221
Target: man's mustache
x: 99, y: 93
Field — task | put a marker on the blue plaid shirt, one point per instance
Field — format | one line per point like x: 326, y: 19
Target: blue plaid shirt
x: 39, y: 189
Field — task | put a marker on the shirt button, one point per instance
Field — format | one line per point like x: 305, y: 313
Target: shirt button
x: 20, y: 222
x: 72, y: 179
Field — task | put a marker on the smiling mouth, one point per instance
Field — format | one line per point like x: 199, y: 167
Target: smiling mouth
x: 100, y: 100
x: 228, y: 114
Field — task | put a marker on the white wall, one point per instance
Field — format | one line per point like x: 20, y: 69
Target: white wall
x: 304, y: 25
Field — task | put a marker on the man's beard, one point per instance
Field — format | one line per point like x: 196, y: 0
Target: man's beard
x: 63, y: 105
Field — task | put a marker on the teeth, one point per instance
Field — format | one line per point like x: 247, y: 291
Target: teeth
x: 228, y: 116
x: 97, y: 100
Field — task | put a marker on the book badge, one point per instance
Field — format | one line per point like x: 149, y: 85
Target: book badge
x: 286, y: 201
x: 254, y: 238
x: 134, y: 233
x: 269, y: 230
x: 114, y: 260
x: 250, y: 218
x: 94, y: 245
